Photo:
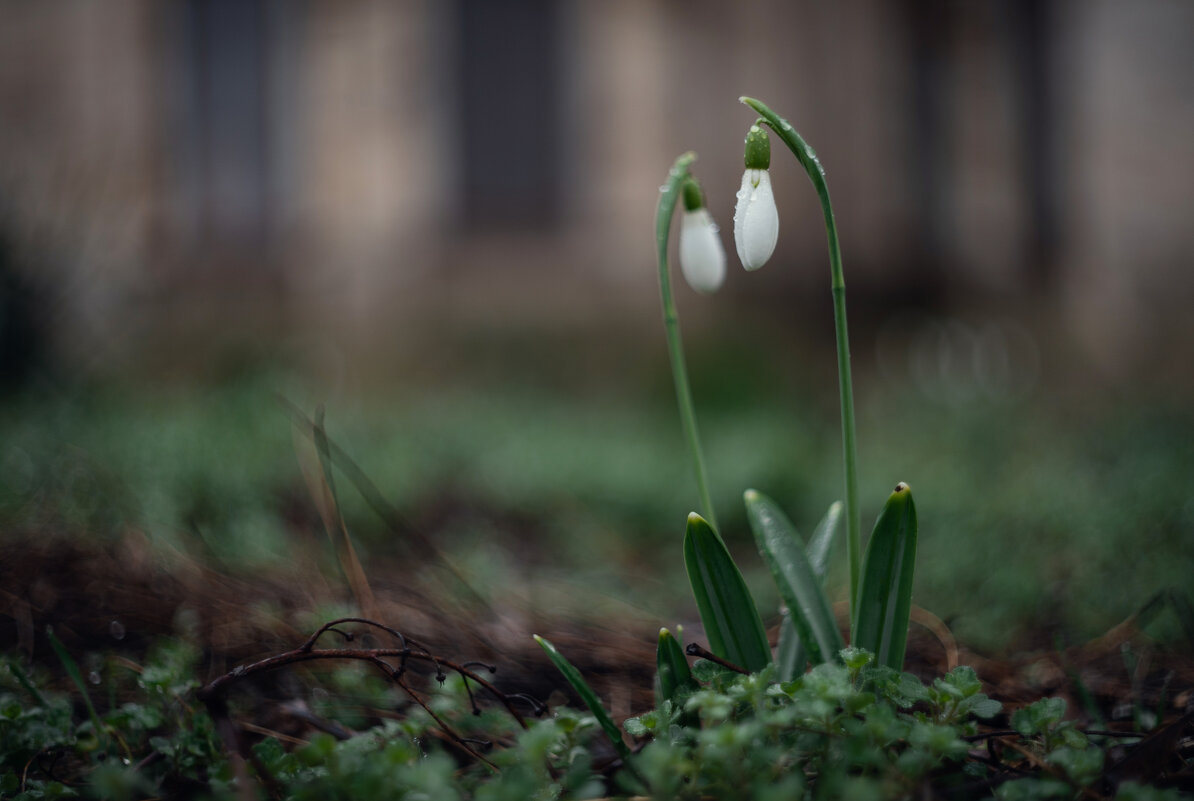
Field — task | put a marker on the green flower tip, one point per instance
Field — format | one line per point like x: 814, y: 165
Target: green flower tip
x: 694, y: 518
x: 758, y: 149
x: 901, y: 489
x: 750, y: 496
x: 693, y: 198
x: 664, y: 633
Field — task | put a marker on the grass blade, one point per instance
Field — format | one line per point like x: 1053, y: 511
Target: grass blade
x: 732, y: 623
x: 24, y: 681
x: 885, y: 597
x: 322, y: 486
x: 398, y: 526
x: 587, y: 695
x: 671, y: 666
x: 76, y: 675
x: 798, y: 584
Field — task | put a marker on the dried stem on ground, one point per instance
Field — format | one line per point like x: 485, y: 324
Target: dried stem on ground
x: 392, y: 662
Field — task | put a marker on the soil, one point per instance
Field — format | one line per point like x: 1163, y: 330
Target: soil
x: 120, y: 596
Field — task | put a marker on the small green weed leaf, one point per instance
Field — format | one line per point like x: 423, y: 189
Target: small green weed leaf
x: 855, y: 659
x: 783, y: 551
x: 728, y: 612
x: 709, y: 672
x: 1037, y: 718
x: 672, y: 667
x: 1082, y: 765
x: 1070, y: 736
x: 1034, y: 790
x: 963, y: 679
x: 587, y: 695
x: 885, y: 597
x: 902, y: 689
x: 980, y: 706
x: 637, y: 727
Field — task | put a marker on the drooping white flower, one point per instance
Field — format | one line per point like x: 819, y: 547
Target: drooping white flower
x: 702, y: 257
x: 756, y: 220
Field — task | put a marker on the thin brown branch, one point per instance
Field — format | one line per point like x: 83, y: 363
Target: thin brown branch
x: 692, y: 649
x: 212, y: 694
x: 448, y: 730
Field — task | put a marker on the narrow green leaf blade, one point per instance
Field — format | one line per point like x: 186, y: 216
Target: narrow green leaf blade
x: 728, y: 612
x: 671, y: 666
x: 783, y: 551
x: 587, y: 695
x: 72, y: 669
x: 821, y: 543
x: 790, y: 654
x: 885, y: 596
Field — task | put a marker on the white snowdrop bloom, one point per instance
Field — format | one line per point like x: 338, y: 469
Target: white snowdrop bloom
x: 702, y: 257
x: 756, y: 220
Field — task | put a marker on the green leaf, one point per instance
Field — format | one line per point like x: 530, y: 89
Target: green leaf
x: 822, y: 540
x: 728, y: 612
x: 1082, y: 765
x: 790, y: 653
x: 885, y: 597
x: 1039, y: 716
x: 587, y: 695
x: 72, y: 670
x: 782, y: 549
x: 671, y: 667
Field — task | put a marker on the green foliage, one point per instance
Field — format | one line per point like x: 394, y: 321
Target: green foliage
x: 835, y: 730
x: 796, y: 577
x: 174, y: 744
x: 671, y: 668
x: 727, y: 610
x: 884, y: 602
x: 586, y: 694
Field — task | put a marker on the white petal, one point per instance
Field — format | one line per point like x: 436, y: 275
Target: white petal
x: 756, y: 220
x: 702, y: 257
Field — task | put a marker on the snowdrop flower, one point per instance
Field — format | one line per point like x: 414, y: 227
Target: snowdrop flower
x: 702, y: 257
x: 756, y: 221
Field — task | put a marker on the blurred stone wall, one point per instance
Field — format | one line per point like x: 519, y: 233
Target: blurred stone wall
x: 205, y: 162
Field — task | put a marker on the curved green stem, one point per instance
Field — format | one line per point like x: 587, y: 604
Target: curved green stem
x: 816, y: 173
x: 669, y: 195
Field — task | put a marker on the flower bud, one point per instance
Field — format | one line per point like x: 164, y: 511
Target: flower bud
x: 756, y: 220
x: 702, y: 257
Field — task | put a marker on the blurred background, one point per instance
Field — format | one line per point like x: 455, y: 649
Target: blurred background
x: 437, y: 219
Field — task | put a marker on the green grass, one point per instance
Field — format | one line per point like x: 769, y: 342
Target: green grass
x: 1038, y: 520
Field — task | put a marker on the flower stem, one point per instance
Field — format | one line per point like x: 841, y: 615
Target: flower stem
x: 669, y: 195
x: 816, y: 173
